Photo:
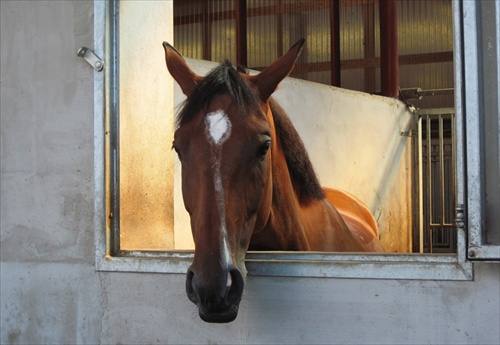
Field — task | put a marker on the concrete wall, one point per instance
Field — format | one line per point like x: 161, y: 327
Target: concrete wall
x: 50, y: 291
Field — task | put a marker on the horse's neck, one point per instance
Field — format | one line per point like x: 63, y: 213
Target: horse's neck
x: 300, y: 217
x: 284, y: 229
x: 293, y: 226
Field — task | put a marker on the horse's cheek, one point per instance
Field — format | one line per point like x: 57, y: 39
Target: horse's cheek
x: 187, y: 195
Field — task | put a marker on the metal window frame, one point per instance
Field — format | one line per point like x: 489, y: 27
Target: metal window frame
x: 471, y: 108
x: 290, y: 264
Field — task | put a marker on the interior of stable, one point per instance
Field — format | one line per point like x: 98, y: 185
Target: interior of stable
x: 407, y: 180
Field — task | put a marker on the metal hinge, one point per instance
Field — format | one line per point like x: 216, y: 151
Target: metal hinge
x: 460, y: 216
x: 91, y: 58
x: 460, y: 223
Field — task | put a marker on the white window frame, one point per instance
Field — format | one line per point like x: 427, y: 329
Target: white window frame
x: 292, y: 264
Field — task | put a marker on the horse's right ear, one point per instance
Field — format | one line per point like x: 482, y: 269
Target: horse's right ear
x: 179, y: 70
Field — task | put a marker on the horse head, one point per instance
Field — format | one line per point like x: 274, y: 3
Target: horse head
x: 224, y: 138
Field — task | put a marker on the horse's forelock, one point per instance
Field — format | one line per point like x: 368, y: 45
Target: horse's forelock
x: 224, y: 79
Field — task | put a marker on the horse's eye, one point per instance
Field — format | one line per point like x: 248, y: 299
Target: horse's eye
x: 177, y: 151
x: 263, y: 148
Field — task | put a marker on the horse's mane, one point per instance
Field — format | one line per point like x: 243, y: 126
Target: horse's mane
x: 303, y: 176
x: 225, y: 79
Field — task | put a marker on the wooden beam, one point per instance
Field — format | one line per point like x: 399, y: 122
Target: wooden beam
x: 369, y: 44
x: 206, y: 35
x: 389, y: 68
x: 411, y: 59
x: 335, y: 42
x: 240, y: 10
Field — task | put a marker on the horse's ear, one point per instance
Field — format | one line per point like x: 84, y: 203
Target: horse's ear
x: 179, y: 70
x: 267, y: 81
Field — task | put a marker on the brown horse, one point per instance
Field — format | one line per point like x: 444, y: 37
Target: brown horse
x: 248, y: 184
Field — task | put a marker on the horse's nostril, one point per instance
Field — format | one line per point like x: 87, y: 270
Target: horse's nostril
x: 217, y: 298
x: 191, y: 293
x: 235, y: 285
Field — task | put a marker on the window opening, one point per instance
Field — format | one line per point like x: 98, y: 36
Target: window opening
x: 145, y: 216
x: 291, y: 264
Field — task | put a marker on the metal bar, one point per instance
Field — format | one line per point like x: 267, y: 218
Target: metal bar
x: 114, y: 125
x: 101, y: 125
x: 454, y: 166
x: 459, y: 143
x: 441, y: 169
x: 418, y: 93
x: 435, y: 92
x: 436, y: 111
x: 472, y: 102
x: 442, y: 225
x: 420, y: 189
x: 430, y: 203
x: 389, y: 68
x: 335, y: 42
x: 240, y: 10
x: 429, y: 169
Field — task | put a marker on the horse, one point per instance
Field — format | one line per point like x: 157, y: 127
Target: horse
x: 248, y: 183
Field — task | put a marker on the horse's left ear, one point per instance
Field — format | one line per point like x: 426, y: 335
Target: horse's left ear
x: 179, y: 70
x: 267, y: 81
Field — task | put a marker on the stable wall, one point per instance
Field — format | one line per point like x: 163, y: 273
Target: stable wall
x: 50, y: 291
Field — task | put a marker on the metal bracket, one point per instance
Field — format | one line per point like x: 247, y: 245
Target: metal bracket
x: 408, y: 133
x: 418, y: 93
x: 91, y: 58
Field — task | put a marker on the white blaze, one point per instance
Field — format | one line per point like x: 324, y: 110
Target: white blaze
x: 219, y: 126
x: 218, y: 131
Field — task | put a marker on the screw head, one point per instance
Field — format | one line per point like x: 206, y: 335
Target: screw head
x: 472, y: 253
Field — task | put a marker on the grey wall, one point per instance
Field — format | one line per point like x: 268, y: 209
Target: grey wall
x: 50, y: 291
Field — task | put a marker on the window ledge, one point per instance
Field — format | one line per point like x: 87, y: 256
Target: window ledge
x: 302, y: 264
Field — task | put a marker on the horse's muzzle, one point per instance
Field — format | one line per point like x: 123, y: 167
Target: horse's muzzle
x: 218, y: 300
